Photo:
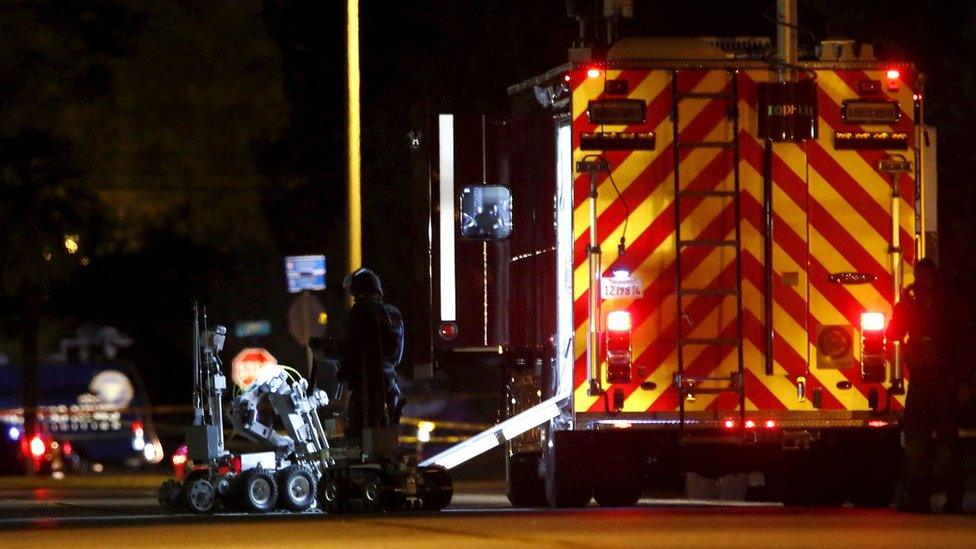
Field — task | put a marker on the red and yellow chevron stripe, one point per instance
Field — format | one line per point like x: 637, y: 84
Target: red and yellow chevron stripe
x: 832, y: 213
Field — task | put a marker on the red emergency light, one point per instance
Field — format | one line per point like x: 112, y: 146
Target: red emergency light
x: 750, y: 424
x: 893, y: 79
x: 593, y: 72
x: 872, y: 322
x: 729, y: 424
x: 770, y: 423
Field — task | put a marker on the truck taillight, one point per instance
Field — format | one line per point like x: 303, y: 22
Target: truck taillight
x: 618, y: 321
x: 618, y: 338
x: 893, y: 79
x: 593, y: 72
x: 872, y: 322
x: 872, y: 347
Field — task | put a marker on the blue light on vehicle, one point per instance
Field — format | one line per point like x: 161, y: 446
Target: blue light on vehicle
x: 13, y: 433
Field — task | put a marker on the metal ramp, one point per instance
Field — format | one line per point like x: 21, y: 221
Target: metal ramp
x: 697, y: 385
x: 497, y: 435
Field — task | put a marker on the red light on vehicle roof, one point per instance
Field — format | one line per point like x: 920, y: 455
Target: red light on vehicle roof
x: 893, y: 74
x: 872, y: 322
x: 729, y: 424
x: 593, y: 73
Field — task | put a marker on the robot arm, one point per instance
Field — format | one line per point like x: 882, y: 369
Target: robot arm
x: 297, y: 411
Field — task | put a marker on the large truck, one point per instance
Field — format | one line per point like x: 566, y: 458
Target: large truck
x: 683, y: 253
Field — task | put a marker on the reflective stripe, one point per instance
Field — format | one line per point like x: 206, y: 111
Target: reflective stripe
x: 445, y: 194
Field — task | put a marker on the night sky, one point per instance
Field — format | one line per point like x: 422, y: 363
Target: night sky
x: 190, y: 146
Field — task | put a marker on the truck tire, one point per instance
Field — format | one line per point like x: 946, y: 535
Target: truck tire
x: 199, y: 495
x: 256, y: 491
x: 623, y: 490
x: 873, y: 485
x: 334, y: 494
x: 438, y: 488
x: 296, y: 488
x: 808, y: 482
x: 525, y: 487
x: 619, y: 481
x: 567, y: 484
x: 371, y: 493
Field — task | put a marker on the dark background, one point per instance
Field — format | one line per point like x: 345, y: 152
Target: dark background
x: 190, y: 146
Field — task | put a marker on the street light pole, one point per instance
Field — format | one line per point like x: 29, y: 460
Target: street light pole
x: 354, y: 186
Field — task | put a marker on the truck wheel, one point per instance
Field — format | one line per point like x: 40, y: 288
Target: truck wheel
x: 256, y: 491
x: 296, y: 488
x: 619, y: 482
x: 438, y: 488
x: 371, y: 493
x: 567, y: 484
x: 618, y: 492
x: 169, y: 495
x: 525, y: 488
x: 199, y: 495
x: 333, y: 494
x: 874, y: 487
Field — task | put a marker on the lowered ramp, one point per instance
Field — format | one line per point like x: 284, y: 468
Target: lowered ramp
x: 497, y: 435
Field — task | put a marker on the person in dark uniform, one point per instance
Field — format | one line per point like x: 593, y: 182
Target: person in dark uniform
x: 372, y: 354
x: 922, y: 322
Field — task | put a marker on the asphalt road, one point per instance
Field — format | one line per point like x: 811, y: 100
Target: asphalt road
x: 122, y: 512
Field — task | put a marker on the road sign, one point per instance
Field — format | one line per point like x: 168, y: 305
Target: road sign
x: 252, y: 328
x: 248, y: 363
x: 305, y: 272
x: 306, y: 318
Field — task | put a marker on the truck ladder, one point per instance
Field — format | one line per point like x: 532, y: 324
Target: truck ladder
x: 689, y: 385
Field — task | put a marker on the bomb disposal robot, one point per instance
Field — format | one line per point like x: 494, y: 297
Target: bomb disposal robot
x: 299, y: 471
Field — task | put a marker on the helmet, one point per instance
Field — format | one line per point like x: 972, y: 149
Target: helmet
x: 363, y: 282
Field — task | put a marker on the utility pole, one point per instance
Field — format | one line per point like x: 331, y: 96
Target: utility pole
x: 354, y: 186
